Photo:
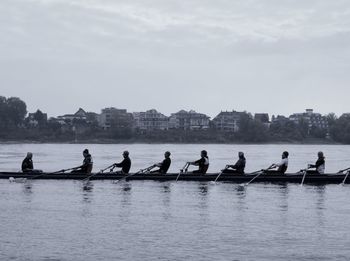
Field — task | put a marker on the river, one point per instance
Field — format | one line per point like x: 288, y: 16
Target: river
x: 147, y: 220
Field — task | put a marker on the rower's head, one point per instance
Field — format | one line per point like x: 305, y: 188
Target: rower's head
x: 285, y: 154
x: 126, y: 154
x: 320, y: 155
x: 240, y: 154
x: 85, y: 152
x: 29, y: 155
x: 167, y: 154
x: 204, y: 153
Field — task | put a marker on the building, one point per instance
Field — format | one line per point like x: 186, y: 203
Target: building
x: 345, y: 116
x: 262, y: 117
x: 80, y: 115
x: 150, y: 120
x: 190, y: 120
x: 310, y: 118
x: 118, y: 118
x: 227, y: 121
x: 279, y: 119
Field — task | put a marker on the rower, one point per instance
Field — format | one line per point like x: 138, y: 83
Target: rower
x: 320, y: 164
x: 125, y: 164
x: 283, y: 165
x: 202, y: 163
x: 87, y: 164
x: 238, y: 167
x: 164, y: 165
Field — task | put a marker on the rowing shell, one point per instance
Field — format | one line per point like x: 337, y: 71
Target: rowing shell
x: 235, y: 178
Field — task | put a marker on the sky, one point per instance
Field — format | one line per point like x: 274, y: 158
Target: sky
x: 274, y: 56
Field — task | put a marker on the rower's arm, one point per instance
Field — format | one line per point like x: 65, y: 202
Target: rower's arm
x: 119, y: 165
x: 273, y: 166
x: 158, y: 164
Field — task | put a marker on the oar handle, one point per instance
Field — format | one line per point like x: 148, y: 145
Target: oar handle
x: 340, y: 171
x: 64, y: 170
x: 103, y: 170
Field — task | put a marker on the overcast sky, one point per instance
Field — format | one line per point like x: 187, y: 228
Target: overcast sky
x: 275, y: 56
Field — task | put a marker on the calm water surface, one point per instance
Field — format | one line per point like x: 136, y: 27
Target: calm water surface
x: 146, y: 220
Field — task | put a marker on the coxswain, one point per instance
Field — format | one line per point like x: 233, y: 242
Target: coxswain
x: 164, y: 165
x: 202, y: 163
x: 238, y: 167
x: 320, y: 164
x: 283, y: 165
x: 87, y: 164
x: 27, y: 163
x: 125, y: 165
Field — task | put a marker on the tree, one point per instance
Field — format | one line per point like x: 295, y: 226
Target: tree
x: 251, y: 130
x: 40, y: 118
x: 340, y: 130
x: 17, y: 110
x: 12, y: 112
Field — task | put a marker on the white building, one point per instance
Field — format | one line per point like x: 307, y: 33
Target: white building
x: 112, y: 116
x: 227, y: 121
x: 311, y: 118
x: 151, y: 120
x: 190, y: 120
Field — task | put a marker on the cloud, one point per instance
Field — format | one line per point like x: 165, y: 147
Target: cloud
x: 210, y: 50
x: 89, y: 24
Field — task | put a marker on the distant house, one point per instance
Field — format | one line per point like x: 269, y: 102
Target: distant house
x: 119, y: 118
x: 262, y: 117
x: 345, y: 115
x: 150, y: 120
x: 310, y: 118
x: 279, y: 119
x: 189, y: 120
x: 227, y: 121
x: 79, y: 115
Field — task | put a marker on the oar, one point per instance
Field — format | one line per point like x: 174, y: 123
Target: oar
x: 305, y: 171
x: 261, y: 172
x: 132, y: 174
x: 101, y: 171
x: 346, y: 176
x: 181, y: 170
x: 222, y: 171
x: 56, y: 172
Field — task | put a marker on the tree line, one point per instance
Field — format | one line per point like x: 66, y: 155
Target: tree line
x: 15, y: 126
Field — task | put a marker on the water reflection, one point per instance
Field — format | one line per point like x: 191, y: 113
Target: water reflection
x: 203, y: 200
x: 165, y: 190
x: 320, y: 206
x: 241, y: 193
x: 27, y: 191
x: 203, y: 189
x: 283, y: 191
x: 88, y: 191
x: 320, y: 202
x: 126, y: 187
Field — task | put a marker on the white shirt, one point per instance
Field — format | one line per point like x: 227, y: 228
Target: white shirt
x: 283, y: 162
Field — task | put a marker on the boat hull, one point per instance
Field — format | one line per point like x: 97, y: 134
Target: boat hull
x: 234, y: 178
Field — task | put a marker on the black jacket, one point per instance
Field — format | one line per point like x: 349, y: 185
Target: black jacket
x: 165, y: 166
x: 27, y: 165
x: 239, y: 166
x: 125, y: 165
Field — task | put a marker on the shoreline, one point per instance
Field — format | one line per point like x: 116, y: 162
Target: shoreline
x: 111, y: 142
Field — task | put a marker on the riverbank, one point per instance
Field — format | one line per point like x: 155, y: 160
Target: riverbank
x: 308, y: 141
